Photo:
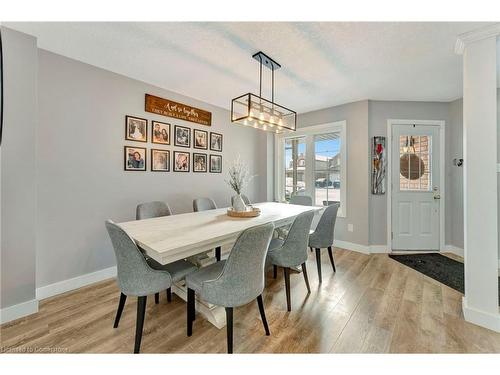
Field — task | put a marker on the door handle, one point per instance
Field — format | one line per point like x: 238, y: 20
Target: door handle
x: 437, y: 196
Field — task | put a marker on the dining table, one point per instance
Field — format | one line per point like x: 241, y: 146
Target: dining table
x: 167, y: 239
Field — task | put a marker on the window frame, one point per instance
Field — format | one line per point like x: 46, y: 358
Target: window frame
x: 309, y: 133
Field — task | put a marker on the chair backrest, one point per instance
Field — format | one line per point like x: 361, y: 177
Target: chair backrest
x: 294, y: 249
x: 134, y: 275
x: 244, y: 197
x: 149, y: 210
x: 242, y: 279
x: 203, y: 204
x: 303, y: 200
x: 323, y: 235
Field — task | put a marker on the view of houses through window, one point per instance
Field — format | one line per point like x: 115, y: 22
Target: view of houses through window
x: 326, y: 172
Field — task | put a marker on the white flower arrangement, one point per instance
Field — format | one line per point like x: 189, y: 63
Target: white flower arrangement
x: 239, y: 176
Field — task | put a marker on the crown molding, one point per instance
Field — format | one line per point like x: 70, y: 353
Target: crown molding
x: 475, y: 35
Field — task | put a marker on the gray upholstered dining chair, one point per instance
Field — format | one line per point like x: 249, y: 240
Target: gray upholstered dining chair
x: 137, y: 278
x: 322, y: 236
x: 302, y: 200
x: 244, y: 197
x: 235, y: 281
x: 292, y: 251
x: 149, y: 210
x: 205, y: 204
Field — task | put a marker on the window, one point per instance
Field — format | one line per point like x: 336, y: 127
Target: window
x: 312, y: 161
x: 414, y: 162
x: 295, y: 165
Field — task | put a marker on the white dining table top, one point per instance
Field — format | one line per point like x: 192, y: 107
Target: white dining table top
x: 170, y: 238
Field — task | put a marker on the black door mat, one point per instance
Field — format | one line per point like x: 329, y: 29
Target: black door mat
x: 443, y: 269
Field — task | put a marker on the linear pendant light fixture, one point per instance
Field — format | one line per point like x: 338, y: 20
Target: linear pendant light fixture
x: 255, y: 111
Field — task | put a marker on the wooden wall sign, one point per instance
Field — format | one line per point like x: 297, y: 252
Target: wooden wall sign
x: 169, y: 108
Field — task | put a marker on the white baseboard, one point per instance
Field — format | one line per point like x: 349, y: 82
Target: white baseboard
x: 20, y: 310
x: 378, y: 249
x: 481, y: 318
x: 74, y: 283
x: 454, y: 250
x: 351, y: 246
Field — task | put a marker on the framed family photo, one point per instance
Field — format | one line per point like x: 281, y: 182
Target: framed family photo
x: 215, y: 163
x: 136, y: 129
x: 182, y: 136
x: 160, y: 160
x: 200, y: 139
x: 215, y: 141
x: 160, y: 132
x: 181, y: 161
x: 135, y: 158
x: 199, y: 162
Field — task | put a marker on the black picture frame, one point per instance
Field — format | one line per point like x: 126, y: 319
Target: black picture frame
x: 212, y: 135
x: 205, y: 156
x: 174, y: 161
x: 126, y: 159
x: 167, y: 152
x: 195, y: 131
x: 128, y: 137
x: 211, y: 163
x: 188, y: 137
x: 164, y: 124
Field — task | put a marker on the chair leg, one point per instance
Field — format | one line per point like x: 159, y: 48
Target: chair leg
x: 217, y: 253
x: 141, y: 311
x: 190, y: 311
x: 330, y: 254
x: 169, y: 294
x: 306, y: 279
x: 157, y: 298
x: 263, y: 314
x: 318, y: 263
x: 311, y: 249
x: 275, y: 271
x: 121, y: 305
x: 287, y: 288
x: 229, y: 326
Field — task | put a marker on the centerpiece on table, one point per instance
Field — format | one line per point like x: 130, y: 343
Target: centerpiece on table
x: 239, y: 177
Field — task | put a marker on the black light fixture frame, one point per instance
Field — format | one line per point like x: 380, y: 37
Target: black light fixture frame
x: 268, y: 62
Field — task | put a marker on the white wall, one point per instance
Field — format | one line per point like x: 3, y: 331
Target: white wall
x: 81, y: 181
x: 18, y: 166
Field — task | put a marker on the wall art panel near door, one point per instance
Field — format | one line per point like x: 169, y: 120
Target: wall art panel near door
x: 378, y: 165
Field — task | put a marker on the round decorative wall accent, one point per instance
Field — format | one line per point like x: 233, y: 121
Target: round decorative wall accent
x: 411, y: 166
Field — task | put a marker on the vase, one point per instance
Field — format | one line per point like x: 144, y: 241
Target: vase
x: 238, y: 203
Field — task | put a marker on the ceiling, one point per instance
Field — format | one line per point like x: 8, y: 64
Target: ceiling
x: 323, y: 64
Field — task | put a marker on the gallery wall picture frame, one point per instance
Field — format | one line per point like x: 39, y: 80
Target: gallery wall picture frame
x: 136, y: 129
x: 379, y: 165
x: 160, y: 132
x: 135, y: 158
x: 182, y: 136
x: 200, y: 139
x: 215, y: 141
x: 200, y: 163
x: 181, y: 161
x: 160, y: 160
x: 215, y: 163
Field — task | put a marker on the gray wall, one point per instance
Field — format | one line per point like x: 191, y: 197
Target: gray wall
x: 18, y: 166
x: 356, y: 116
x: 379, y: 113
x: 81, y: 181
x: 455, y: 183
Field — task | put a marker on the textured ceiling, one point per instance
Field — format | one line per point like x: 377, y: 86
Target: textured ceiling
x: 323, y: 64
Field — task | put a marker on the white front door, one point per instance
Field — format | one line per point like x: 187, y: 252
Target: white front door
x: 415, y: 187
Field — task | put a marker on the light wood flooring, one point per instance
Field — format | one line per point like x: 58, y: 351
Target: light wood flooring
x: 372, y: 304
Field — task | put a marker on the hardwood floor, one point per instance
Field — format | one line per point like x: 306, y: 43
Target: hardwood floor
x: 371, y: 305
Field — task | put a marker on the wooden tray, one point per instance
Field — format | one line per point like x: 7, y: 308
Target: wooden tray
x: 252, y: 212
